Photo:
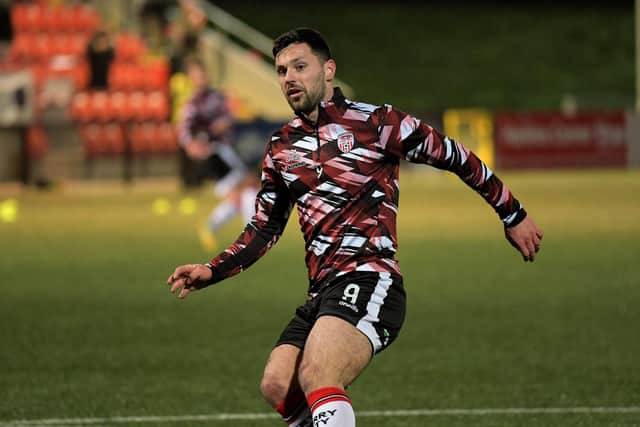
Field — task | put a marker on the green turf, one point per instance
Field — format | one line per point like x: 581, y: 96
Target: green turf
x: 89, y: 329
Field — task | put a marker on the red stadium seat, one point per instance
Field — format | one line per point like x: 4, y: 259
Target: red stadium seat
x: 126, y: 76
x: 31, y: 21
x: 99, y: 106
x: 129, y: 47
x: 92, y: 139
x: 113, y: 139
x: 21, y: 47
x: 19, y: 17
x: 136, y: 106
x: 80, y: 109
x: 141, y: 137
x: 156, y: 75
x: 118, y: 106
x: 42, y: 47
x: 86, y: 19
x: 156, y: 106
x: 166, y: 138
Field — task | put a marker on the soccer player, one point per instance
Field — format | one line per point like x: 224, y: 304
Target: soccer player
x: 338, y: 161
x: 205, y: 132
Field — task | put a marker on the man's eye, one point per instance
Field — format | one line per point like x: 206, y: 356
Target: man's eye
x: 300, y: 67
x: 282, y: 71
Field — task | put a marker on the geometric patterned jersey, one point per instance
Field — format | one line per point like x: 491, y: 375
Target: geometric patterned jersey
x: 342, y: 173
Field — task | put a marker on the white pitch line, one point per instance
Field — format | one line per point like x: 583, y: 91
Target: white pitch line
x: 259, y: 416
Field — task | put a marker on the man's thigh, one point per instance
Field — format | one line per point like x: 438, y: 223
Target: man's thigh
x: 335, y: 354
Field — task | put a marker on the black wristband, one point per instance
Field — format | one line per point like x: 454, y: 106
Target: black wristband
x: 517, y: 219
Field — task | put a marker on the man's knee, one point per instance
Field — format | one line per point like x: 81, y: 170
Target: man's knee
x: 313, y: 375
x: 274, y: 388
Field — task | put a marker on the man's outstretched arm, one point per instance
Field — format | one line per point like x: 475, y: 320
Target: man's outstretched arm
x: 273, y: 206
x: 408, y: 138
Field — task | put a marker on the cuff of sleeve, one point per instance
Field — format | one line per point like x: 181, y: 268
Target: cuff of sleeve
x: 515, y: 218
x: 213, y: 279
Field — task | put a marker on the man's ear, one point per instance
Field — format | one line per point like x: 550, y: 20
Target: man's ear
x: 330, y: 69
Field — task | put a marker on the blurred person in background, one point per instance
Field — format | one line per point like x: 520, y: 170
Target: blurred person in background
x: 100, y: 55
x: 338, y: 160
x: 205, y: 131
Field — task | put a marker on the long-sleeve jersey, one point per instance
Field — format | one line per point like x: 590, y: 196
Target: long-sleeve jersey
x: 201, y: 110
x: 342, y: 173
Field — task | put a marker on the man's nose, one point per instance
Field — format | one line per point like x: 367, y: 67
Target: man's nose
x: 289, y: 76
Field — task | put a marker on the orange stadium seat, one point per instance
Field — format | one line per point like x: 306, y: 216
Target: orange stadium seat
x: 80, y: 109
x: 113, y: 139
x: 27, y: 18
x: 136, y: 106
x: 166, y: 138
x: 156, y: 106
x: 141, y: 136
x: 86, y: 19
x: 99, y: 106
x: 42, y: 47
x: 128, y: 47
x: 118, y: 105
x: 21, y: 47
x: 126, y: 76
x: 92, y: 136
x: 19, y: 17
x: 156, y: 75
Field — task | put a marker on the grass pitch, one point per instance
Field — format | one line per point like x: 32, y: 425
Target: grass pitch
x: 88, y: 327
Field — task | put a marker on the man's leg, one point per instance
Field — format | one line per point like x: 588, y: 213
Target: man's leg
x: 334, y: 356
x: 281, y: 388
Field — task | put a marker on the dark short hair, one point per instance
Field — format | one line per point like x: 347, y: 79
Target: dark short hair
x: 303, y: 35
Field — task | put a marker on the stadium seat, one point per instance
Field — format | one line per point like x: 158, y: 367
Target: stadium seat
x: 113, y: 141
x: 19, y: 17
x: 136, y: 106
x: 156, y: 106
x: 86, y: 19
x: 156, y: 75
x: 118, y: 106
x: 99, y: 106
x: 21, y: 47
x: 128, y: 47
x: 166, y: 139
x: 80, y: 110
x: 91, y: 136
x: 141, y: 136
x: 27, y: 18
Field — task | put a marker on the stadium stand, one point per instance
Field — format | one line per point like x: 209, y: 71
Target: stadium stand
x: 51, y: 41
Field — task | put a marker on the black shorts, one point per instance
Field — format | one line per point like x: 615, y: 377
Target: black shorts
x: 372, y: 302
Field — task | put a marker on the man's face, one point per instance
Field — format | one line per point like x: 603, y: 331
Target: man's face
x: 197, y: 76
x: 302, y: 76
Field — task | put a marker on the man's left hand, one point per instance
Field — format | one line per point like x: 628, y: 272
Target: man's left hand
x: 526, y: 237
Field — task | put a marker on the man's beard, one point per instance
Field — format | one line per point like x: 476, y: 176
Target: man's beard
x: 307, y: 103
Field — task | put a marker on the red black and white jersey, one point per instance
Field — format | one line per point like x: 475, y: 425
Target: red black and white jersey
x: 342, y: 174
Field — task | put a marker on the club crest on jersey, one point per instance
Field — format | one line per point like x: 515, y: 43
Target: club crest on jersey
x: 345, y: 142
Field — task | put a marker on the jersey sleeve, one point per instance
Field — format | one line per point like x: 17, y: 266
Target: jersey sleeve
x: 187, y: 117
x: 404, y: 136
x: 273, y: 206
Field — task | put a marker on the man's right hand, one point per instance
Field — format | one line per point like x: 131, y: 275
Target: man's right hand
x: 190, y: 277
